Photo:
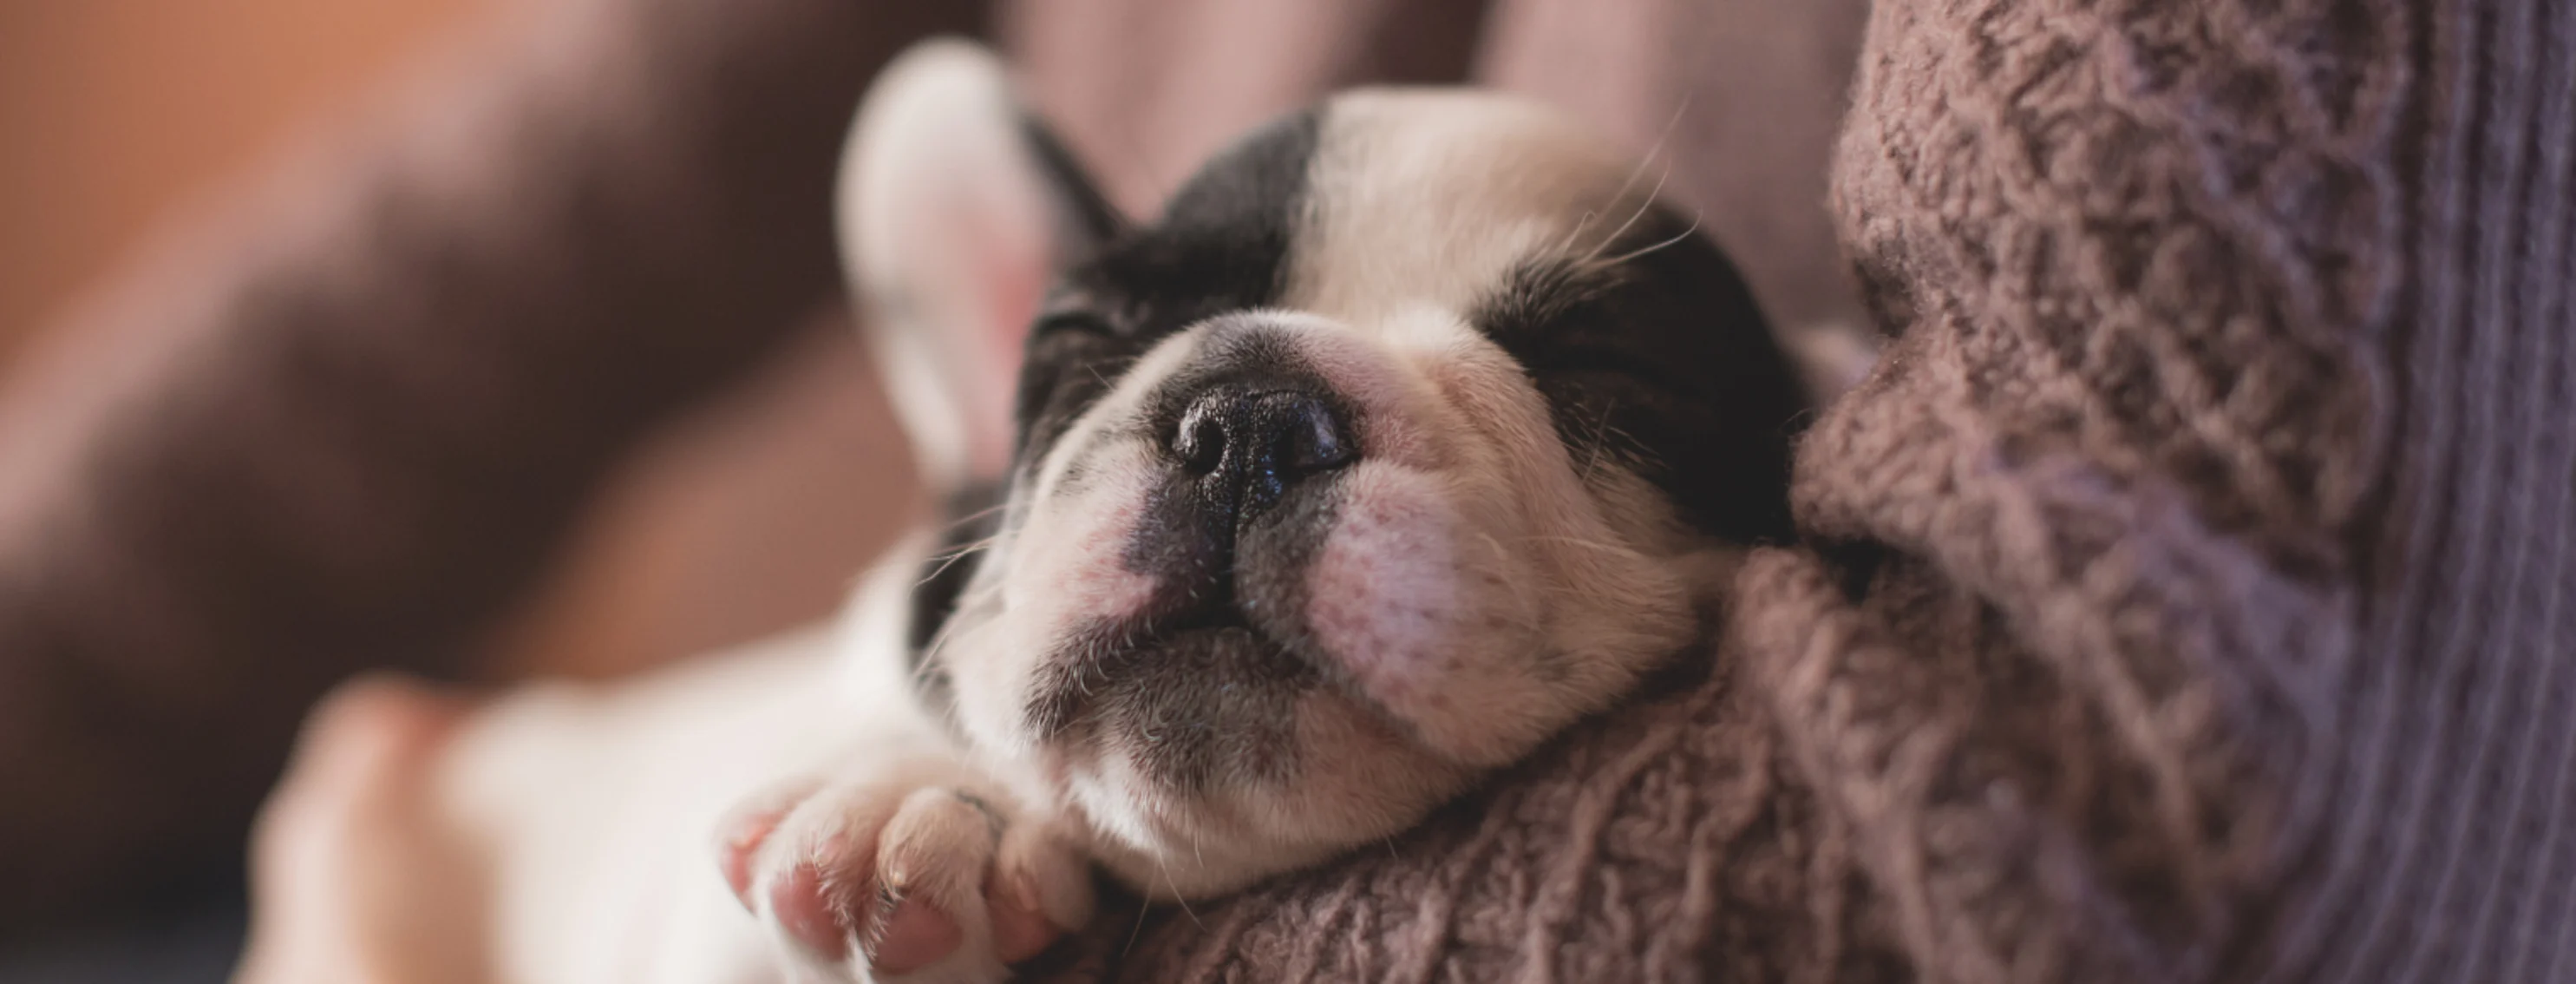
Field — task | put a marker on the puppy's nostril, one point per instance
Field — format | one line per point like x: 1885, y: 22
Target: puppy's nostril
x: 1309, y: 438
x: 1200, y: 440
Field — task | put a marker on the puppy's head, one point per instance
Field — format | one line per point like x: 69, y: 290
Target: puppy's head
x: 1409, y: 432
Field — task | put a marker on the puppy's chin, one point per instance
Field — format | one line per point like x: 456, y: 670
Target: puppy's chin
x: 1204, y: 753
x: 1328, y: 773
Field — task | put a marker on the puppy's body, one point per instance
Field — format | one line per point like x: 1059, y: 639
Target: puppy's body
x: 598, y: 808
x: 1411, y: 432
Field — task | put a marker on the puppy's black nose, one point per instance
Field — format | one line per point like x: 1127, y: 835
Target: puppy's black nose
x: 1257, y: 440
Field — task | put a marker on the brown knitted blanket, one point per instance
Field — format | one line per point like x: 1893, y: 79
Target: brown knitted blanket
x: 2189, y: 594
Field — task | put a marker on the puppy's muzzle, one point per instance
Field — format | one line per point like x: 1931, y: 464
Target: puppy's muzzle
x: 1199, y: 683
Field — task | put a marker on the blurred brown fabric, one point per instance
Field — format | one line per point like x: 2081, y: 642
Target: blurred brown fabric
x: 2181, y: 599
x: 348, y: 421
x: 115, y: 112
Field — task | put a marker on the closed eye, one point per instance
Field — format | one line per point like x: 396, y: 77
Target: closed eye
x: 1073, y: 321
x: 1636, y: 369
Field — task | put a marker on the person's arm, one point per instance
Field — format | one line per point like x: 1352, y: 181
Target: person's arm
x: 2075, y: 647
x: 345, y: 432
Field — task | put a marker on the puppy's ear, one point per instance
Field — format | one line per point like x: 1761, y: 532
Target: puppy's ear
x: 956, y: 210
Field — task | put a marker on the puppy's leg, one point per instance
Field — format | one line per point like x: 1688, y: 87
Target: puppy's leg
x: 914, y: 869
x: 894, y: 857
x: 903, y: 862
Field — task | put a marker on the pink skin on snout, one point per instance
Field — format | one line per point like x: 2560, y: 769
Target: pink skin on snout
x: 1077, y: 570
x: 1429, y: 617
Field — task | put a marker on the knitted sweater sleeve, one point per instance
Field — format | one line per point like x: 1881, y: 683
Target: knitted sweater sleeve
x: 2231, y: 346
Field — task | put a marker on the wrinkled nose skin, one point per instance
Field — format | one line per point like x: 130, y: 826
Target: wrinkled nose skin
x: 1247, y: 444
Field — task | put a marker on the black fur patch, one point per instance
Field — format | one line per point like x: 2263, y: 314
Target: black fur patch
x: 973, y: 516
x: 1664, y: 365
x: 1222, y: 245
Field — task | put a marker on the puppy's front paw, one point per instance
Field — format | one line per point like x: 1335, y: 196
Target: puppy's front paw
x: 904, y: 880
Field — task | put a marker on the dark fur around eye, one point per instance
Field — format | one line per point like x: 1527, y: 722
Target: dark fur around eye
x: 1065, y: 372
x: 1075, y: 320
x: 1664, y: 365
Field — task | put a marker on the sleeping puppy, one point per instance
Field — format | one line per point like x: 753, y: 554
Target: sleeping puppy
x: 1409, y: 433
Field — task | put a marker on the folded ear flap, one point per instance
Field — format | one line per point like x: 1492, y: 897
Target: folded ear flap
x: 956, y: 210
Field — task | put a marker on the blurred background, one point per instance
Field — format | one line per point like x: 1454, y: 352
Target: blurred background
x: 122, y: 118
x: 123, y: 122
x: 118, y: 115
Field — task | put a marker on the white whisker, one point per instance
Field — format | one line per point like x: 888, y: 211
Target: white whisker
x: 1686, y: 233
x: 950, y: 559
